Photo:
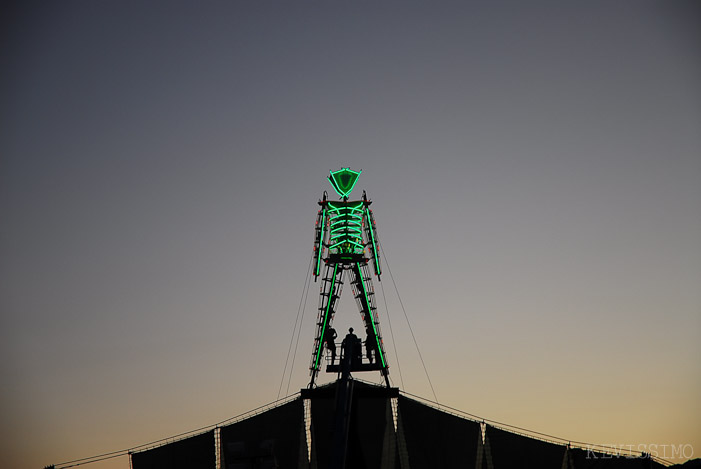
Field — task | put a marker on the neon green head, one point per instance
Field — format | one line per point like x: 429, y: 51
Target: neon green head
x: 344, y: 180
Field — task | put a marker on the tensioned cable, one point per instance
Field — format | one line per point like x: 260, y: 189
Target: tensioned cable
x: 391, y: 333
x: 478, y: 418
x: 92, y: 459
x: 389, y: 269
x: 299, y: 332
x: 524, y: 431
x: 116, y: 454
x: 303, y: 299
x: 289, y: 349
x: 301, y: 308
x: 95, y: 460
x: 163, y: 441
x: 258, y: 410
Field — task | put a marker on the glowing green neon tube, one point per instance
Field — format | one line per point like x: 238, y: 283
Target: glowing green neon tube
x: 353, y: 228
x: 321, y: 242
x: 374, y: 246
x: 326, y: 318
x: 372, y: 319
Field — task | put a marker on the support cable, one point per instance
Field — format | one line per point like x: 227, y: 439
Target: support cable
x: 299, y: 333
x: 174, y: 438
x: 263, y: 408
x: 389, y: 269
x: 525, y: 431
x: 289, y: 349
x: 391, y: 333
x: 92, y: 459
x: 298, y: 321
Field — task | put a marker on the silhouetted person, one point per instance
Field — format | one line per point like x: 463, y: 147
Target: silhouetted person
x: 351, y: 343
x: 370, y: 345
x: 358, y: 351
x: 329, y: 340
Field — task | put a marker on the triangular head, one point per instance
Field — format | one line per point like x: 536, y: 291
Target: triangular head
x: 344, y: 180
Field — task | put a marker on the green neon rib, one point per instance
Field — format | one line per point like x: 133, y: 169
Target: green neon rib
x: 374, y: 247
x: 372, y: 320
x: 348, y: 228
x: 344, y: 222
x: 321, y: 242
x: 348, y: 207
x: 340, y: 214
x: 345, y: 236
x: 326, y: 318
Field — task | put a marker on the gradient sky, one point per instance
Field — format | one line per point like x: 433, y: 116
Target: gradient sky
x: 535, y: 169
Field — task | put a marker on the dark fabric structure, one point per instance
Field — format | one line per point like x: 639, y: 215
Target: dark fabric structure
x: 268, y: 440
x: 367, y: 428
x: 512, y: 450
x: 585, y: 459
x: 323, y: 409
x: 437, y: 439
x: 196, y: 452
x: 367, y: 431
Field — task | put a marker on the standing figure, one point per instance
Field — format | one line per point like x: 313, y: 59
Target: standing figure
x: 345, y: 243
x: 330, y: 341
x: 370, y: 346
x: 351, y: 346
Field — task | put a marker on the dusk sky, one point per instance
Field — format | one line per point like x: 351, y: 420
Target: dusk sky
x: 535, y: 169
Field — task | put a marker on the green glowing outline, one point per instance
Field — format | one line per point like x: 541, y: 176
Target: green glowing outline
x: 344, y: 220
x: 374, y: 247
x: 338, y: 208
x: 349, y: 236
x: 326, y: 317
x: 348, y: 228
x: 372, y: 319
x: 335, y: 183
x: 321, y: 242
